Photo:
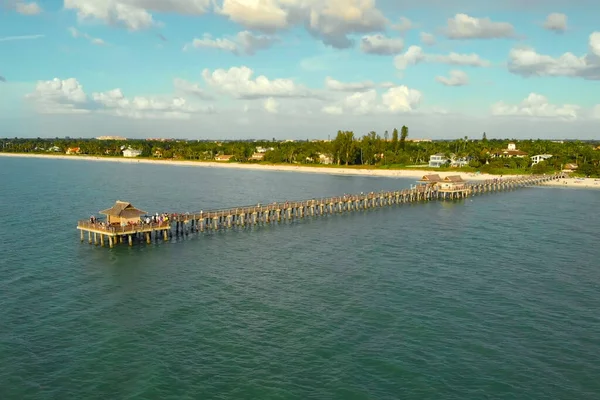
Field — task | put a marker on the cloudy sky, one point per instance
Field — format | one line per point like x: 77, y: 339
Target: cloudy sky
x: 299, y: 68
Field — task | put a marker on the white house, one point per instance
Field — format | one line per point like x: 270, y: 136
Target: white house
x: 540, y: 157
x: 459, y: 162
x: 438, y: 160
x: 129, y: 152
x: 325, y: 159
x: 260, y: 149
x: 509, y: 152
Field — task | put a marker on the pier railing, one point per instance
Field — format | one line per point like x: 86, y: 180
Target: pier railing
x: 125, y: 229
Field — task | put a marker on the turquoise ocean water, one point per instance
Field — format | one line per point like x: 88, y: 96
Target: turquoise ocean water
x: 494, y: 297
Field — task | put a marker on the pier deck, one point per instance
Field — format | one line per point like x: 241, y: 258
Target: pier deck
x: 182, y: 224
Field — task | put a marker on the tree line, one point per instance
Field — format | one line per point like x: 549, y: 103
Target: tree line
x: 346, y: 149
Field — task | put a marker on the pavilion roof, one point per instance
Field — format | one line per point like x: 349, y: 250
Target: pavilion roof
x: 431, y: 178
x: 454, y: 178
x: 123, y: 209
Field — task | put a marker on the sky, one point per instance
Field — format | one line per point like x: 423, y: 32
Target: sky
x: 300, y: 69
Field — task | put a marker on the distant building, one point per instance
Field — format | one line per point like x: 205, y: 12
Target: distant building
x: 111, y: 138
x: 539, y: 158
x: 260, y: 149
x: 257, y: 156
x: 73, y: 150
x: 223, y: 157
x: 418, y: 140
x: 54, y: 149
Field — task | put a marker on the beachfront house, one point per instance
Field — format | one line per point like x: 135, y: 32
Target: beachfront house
x: 73, y: 150
x: 257, y: 156
x: 459, y: 162
x: 570, y: 167
x: 509, y: 152
x: 130, y: 153
x: 223, y: 157
x: 325, y: 159
x: 539, y: 158
x: 122, y: 213
x: 438, y: 160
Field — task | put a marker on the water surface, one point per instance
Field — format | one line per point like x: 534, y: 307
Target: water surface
x: 492, y: 297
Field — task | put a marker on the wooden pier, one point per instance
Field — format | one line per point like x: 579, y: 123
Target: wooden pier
x: 124, y: 222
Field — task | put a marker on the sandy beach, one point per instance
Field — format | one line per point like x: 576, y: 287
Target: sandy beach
x: 587, y: 183
x: 575, y: 183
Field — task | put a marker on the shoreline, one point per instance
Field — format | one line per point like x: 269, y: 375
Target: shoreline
x: 578, y: 183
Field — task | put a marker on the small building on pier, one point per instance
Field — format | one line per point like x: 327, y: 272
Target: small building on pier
x: 451, y: 183
x: 430, y: 180
x: 123, y: 213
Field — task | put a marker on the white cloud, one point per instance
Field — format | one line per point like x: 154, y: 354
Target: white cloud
x: 112, y: 12
x: 238, y: 82
x: 271, y: 105
x: 427, y: 38
x: 415, y: 55
x: 404, y: 25
x: 185, y: 87
x: 398, y: 99
x: 380, y: 44
x: 594, y: 44
x: 412, y: 56
x: 244, y: 42
x: 329, y: 20
x: 527, y: 62
x: 456, y: 78
x: 59, y: 97
x: 536, y: 105
x: 338, y: 86
x: 68, y: 97
x: 556, y: 22
x: 114, y: 102
x: 463, y: 26
x: 24, y: 8
x: 333, y: 110
x: 596, y: 112
x: 133, y: 14
x: 78, y: 34
x: 401, y: 99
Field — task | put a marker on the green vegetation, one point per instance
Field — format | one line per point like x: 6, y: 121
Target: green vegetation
x: 368, y: 151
